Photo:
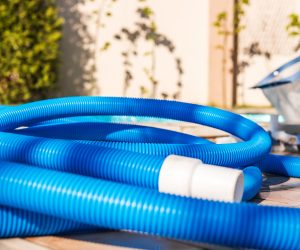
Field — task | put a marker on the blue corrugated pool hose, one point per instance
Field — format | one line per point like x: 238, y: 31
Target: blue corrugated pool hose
x: 61, y: 171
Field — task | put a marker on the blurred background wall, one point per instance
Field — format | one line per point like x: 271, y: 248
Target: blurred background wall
x: 102, y: 56
x: 88, y: 67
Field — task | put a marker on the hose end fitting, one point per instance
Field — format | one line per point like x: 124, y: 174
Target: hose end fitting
x: 191, y: 177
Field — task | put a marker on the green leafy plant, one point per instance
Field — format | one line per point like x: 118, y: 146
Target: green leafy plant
x: 29, y: 35
x: 145, y: 28
x: 293, y: 28
x: 226, y: 31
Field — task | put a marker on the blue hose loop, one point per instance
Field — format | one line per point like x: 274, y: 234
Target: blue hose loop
x: 70, y: 156
x: 112, y: 132
x: 252, y: 182
x: 255, y: 146
x: 281, y: 165
x: 125, y: 176
x: 67, y: 154
x: 118, y: 206
x: 21, y: 223
x: 15, y: 152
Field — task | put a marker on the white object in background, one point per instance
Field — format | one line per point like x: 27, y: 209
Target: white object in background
x: 285, y: 137
x: 285, y: 99
x: 191, y: 177
x: 226, y: 140
x: 274, y: 123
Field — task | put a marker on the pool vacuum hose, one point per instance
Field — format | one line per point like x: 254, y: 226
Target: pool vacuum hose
x: 62, y: 171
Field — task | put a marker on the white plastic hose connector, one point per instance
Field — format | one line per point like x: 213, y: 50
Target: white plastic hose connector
x: 191, y: 177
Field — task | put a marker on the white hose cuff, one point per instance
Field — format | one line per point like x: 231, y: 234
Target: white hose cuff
x: 191, y: 177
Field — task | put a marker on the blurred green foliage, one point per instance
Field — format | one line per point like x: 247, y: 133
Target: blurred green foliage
x: 29, y: 35
x: 293, y: 28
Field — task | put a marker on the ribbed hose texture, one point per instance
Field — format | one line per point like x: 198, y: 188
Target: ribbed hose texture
x: 118, y: 206
x: 99, y: 131
x: 113, y: 205
x: 118, y: 165
x: 20, y: 223
x: 257, y: 142
x: 97, y: 161
x: 282, y: 165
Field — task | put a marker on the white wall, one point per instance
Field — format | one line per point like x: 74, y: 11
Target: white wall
x: 184, y: 22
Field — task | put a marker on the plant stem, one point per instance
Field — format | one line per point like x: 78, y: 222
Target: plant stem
x: 235, y: 55
x: 153, y: 70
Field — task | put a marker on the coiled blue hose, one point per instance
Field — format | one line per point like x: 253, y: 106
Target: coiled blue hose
x: 108, y: 132
x: 113, y: 132
x: 20, y: 223
x: 108, y: 204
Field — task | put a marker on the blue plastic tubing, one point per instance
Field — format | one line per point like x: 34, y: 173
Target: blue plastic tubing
x: 114, y: 169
